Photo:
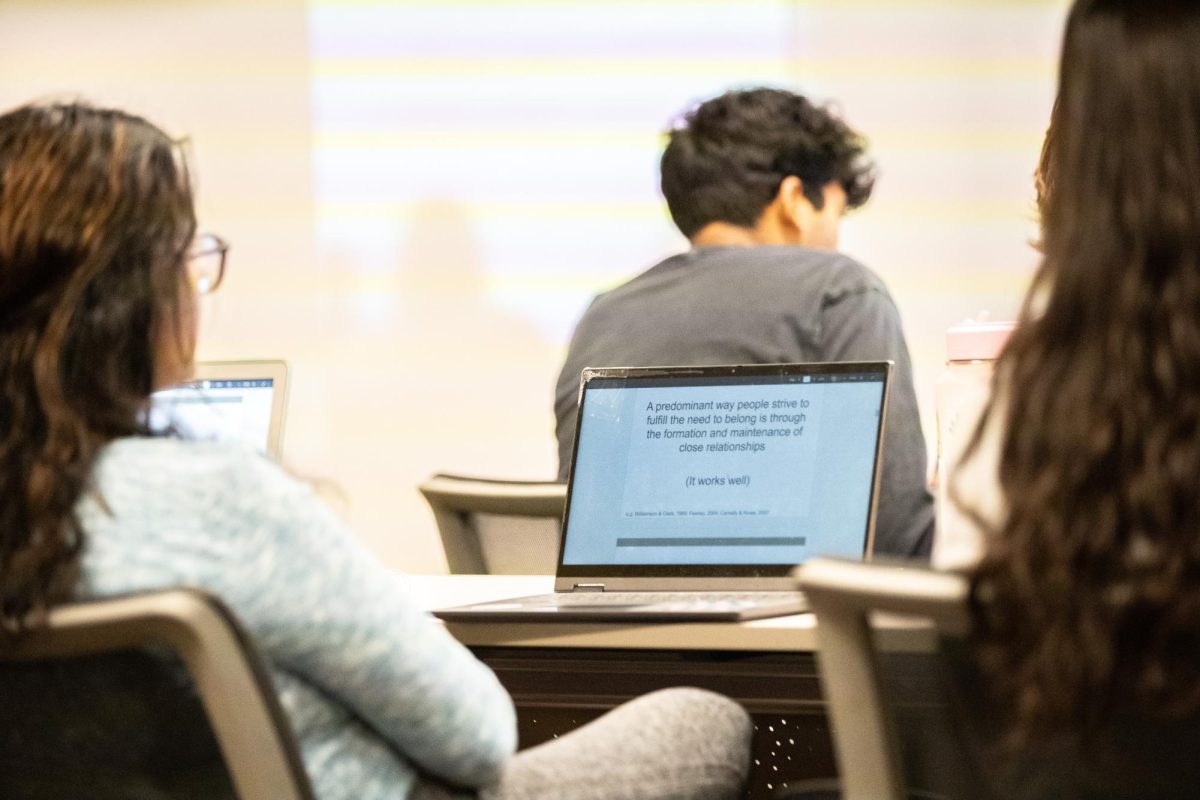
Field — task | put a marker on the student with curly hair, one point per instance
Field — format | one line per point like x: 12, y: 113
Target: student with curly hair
x: 99, y: 277
x: 1079, y: 495
x: 758, y: 181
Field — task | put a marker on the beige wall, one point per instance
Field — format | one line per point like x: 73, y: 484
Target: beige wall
x: 234, y: 78
x: 376, y: 403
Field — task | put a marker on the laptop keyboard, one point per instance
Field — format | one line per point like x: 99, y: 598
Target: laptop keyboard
x: 715, y: 601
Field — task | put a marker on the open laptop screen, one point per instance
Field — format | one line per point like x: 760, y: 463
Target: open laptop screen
x: 227, y: 401
x: 760, y: 467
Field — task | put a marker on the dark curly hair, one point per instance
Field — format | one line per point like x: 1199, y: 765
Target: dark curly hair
x: 1087, y: 601
x: 726, y: 160
x: 96, y: 217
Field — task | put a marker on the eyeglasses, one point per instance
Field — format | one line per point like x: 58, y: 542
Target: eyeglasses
x: 206, y: 263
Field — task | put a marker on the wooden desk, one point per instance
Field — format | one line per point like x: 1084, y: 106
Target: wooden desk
x: 563, y: 674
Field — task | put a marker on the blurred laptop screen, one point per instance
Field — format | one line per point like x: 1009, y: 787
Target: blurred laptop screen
x: 234, y: 409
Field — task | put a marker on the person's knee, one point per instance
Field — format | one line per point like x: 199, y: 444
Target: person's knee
x: 673, y: 744
x: 707, y: 724
x: 697, y: 703
x: 703, y: 704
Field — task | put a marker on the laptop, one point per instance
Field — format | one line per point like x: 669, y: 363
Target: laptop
x: 228, y: 401
x: 694, y: 491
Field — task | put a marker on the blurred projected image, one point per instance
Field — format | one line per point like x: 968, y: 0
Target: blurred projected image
x: 473, y: 191
x: 543, y: 142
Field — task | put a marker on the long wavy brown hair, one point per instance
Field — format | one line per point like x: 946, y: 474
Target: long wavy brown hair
x: 1087, y: 602
x: 96, y: 217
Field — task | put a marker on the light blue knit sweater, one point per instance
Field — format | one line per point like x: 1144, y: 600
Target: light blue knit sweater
x: 371, y: 684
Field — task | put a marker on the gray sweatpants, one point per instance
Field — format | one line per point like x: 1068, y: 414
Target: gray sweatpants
x: 674, y: 744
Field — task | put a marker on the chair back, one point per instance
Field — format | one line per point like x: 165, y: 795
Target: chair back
x: 912, y: 717
x: 844, y: 595
x: 500, y: 527
x: 172, y: 671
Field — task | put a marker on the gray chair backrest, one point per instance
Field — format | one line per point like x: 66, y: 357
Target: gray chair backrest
x: 497, y: 526
x: 253, y: 736
x: 844, y: 595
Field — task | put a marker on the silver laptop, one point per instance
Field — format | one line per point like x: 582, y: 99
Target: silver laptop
x: 228, y: 401
x: 694, y: 491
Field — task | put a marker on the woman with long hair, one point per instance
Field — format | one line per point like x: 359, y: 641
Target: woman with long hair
x: 100, y: 269
x: 1082, y: 482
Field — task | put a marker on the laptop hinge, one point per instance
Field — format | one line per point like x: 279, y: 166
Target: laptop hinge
x: 587, y: 587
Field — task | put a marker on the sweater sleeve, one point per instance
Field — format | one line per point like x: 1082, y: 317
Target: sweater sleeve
x: 863, y: 325
x: 326, y: 610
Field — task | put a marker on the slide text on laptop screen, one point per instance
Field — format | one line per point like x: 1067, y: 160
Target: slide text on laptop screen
x: 225, y: 410
x: 746, y: 470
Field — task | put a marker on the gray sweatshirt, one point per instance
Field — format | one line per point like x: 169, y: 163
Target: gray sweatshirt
x: 764, y: 305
